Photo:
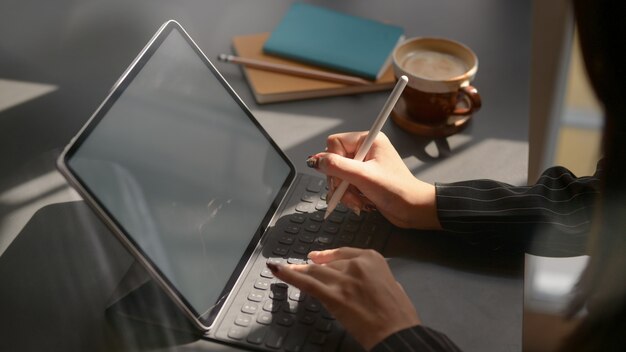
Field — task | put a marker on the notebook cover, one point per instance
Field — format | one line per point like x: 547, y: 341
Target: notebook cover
x: 323, y: 37
x: 269, y: 87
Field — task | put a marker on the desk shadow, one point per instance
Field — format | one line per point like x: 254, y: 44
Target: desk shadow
x: 458, y: 252
x: 58, y: 277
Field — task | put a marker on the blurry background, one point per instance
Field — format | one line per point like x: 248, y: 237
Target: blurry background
x: 580, y: 127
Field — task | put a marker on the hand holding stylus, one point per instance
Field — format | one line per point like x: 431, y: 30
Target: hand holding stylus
x: 371, y: 136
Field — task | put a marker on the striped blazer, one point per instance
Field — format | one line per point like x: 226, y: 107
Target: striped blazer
x: 553, y: 215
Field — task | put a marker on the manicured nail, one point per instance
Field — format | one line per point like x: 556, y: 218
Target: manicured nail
x: 312, y: 162
x: 274, y: 268
x: 356, y: 210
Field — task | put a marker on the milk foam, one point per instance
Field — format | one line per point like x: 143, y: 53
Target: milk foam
x: 434, y: 65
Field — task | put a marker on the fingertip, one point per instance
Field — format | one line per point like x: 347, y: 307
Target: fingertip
x: 274, y: 268
x: 313, y: 254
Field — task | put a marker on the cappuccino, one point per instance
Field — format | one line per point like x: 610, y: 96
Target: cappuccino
x: 434, y: 65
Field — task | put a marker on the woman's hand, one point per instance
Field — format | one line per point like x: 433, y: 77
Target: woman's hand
x: 381, y: 181
x: 358, y: 288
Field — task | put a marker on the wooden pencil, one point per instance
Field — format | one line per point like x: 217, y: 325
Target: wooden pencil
x: 292, y: 70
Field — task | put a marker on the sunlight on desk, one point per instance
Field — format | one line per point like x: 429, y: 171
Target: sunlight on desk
x: 13, y: 93
x: 23, y: 200
x: 306, y: 125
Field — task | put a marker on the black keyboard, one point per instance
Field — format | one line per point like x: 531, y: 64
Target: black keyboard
x: 272, y: 315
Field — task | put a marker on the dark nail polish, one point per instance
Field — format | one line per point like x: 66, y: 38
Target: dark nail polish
x: 312, y: 162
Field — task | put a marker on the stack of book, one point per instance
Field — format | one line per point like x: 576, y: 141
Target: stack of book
x: 320, y: 40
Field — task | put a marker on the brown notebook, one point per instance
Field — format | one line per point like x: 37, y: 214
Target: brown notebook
x: 271, y: 87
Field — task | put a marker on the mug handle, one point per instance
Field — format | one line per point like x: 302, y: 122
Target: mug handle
x: 472, y: 98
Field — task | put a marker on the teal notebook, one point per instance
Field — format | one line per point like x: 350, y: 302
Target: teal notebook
x: 326, y: 38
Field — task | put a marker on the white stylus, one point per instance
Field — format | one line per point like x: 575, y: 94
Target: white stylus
x: 367, y: 144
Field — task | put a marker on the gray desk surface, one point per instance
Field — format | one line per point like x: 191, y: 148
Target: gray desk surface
x: 58, y: 60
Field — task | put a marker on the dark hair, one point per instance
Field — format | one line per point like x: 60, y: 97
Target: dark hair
x: 602, y: 287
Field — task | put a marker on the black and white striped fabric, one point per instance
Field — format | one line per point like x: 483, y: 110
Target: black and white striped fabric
x: 559, y: 199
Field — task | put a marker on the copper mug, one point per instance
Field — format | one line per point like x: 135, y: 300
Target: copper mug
x: 439, y: 71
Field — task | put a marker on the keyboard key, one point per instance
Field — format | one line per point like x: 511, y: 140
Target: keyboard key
x: 325, y: 239
x: 271, y: 306
x: 279, y: 285
x: 249, y: 308
x: 257, y: 336
x: 281, y: 250
x: 307, y: 238
x: 276, y: 337
x: 293, y: 229
x: 262, y: 284
x: 264, y: 318
x: 312, y: 227
x: 341, y: 208
x: 308, y: 319
x: 291, y: 307
x: 305, y: 208
x: 295, y: 341
x: 277, y: 261
x: 346, y: 237
x: 292, y: 260
x: 287, y: 239
x: 332, y: 229
x: 267, y: 273
x: 336, y: 218
x: 285, y: 320
x: 297, y: 218
x: 236, y: 333
x: 278, y: 295
x: 256, y: 296
x: 297, y: 295
x: 317, y: 216
x: 321, y: 205
x: 243, y: 320
x: 312, y: 305
x: 301, y: 249
x: 308, y: 197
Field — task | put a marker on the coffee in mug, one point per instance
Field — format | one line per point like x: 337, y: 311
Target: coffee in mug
x: 439, y: 72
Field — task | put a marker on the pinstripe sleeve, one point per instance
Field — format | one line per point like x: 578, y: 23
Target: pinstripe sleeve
x: 559, y: 200
x: 416, y: 339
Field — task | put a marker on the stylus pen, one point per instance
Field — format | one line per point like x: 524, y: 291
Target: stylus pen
x: 367, y: 144
x: 293, y: 70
